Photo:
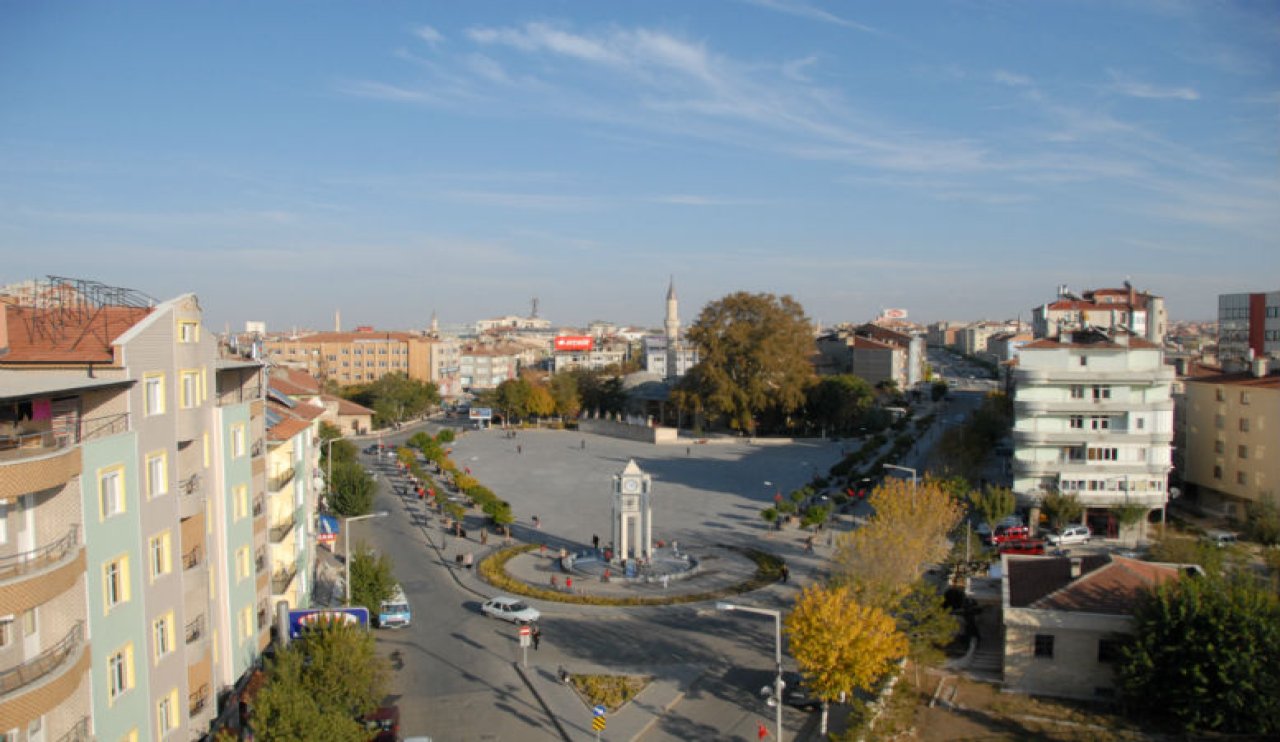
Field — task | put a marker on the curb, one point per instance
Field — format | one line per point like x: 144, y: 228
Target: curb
x: 541, y: 702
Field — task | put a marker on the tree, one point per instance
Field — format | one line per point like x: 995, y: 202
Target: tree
x: 564, y: 390
x: 1061, y: 509
x: 1129, y: 515
x: 513, y: 398
x: 840, y: 645
x: 839, y: 403
x: 938, y: 390
x: 541, y: 403
x: 754, y: 354
x: 907, y: 533
x: 993, y: 504
x: 339, y: 450
x: 1206, y: 653
x: 371, y: 578
x: 924, y: 620
x: 395, y: 397
x: 1263, y: 521
x: 351, y: 491
x: 325, y: 680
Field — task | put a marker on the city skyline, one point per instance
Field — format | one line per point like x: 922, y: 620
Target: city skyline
x: 960, y: 160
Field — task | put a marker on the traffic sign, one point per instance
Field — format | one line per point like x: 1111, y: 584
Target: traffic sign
x: 598, y: 710
x: 526, y: 630
x: 597, y: 724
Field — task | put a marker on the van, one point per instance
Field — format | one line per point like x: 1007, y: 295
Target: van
x: 1221, y: 539
x: 395, y: 611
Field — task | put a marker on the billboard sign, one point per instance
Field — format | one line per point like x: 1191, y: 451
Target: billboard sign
x: 893, y: 314
x: 329, y: 529
x: 574, y: 343
x: 301, y: 620
x: 481, y: 413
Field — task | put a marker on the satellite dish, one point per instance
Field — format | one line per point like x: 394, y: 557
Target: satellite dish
x: 1174, y: 493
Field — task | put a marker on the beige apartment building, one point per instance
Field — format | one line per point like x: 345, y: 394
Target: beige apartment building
x: 1233, y: 440
x: 355, y: 357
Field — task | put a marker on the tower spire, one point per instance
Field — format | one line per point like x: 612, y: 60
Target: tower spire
x: 672, y: 323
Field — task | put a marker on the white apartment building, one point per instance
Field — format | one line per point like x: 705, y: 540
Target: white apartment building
x: 1093, y: 416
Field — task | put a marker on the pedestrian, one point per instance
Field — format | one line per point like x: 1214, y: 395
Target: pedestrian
x: 537, y: 522
x: 537, y: 637
x: 595, y: 542
x: 468, y: 560
x: 542, y: 549
x: 519, y: 449
x: 584, y: 444
x: 484, y: 537
x: 554, y: 582
x: 786, y: 573
x: 568, y: 584
x: 688, y: 451
x: 761, y: 730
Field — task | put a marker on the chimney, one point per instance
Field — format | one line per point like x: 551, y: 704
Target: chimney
x: 337, y: 320
x: 1075, y: 567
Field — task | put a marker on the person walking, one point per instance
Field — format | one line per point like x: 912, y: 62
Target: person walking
x: 519, y: 448
x: 786, y: 573
x: 595, y: 542
x: 584, y: 444
x: 537, y: 636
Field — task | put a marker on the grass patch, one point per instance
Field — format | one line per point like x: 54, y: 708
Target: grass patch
x: 611, y: 691
x: 493, y: 570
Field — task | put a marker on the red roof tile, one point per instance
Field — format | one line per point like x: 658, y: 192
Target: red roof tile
x: 347, y: 407
x: 1242, y: 379
x: 87, y: 339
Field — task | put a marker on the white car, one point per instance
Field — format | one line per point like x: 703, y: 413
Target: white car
x: 1070, y: 535
x: 510, y: 609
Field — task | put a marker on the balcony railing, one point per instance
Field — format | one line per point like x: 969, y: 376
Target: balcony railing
x: 195, y: 629
x: 258, y: 448
x: 197, y: 700
x: 277, y: 482
x: 14, y: 565
x: 190, y: 486
x: 258, y: 505
x: 191, y: 559
x: 13, y: 678
x: 262, y: 617
x: 260, y: 562
x: 280, y: 530
x: 245, y: 393
x: 282, y: 578
x: 79, y: 732
x: 33, y: 443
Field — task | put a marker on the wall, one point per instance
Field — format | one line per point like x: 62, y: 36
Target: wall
x: 615, y: 429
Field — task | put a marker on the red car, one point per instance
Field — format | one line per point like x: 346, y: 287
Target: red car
x: 1010, y: 533
x: 1022, y: 546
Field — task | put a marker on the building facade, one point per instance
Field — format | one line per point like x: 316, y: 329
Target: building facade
x: 1094, y: 418
x: 353, y: 357
x: 1248, y: 328
x: 1137, y: 312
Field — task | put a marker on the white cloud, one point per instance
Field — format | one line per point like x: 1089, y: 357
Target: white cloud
x: 1012, y: 79
x: 429, y: 35
x: 384, y: 91
x: 1135, y: 89
x: 812, y: 12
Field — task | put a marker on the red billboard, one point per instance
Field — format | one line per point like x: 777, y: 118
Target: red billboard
x: 574, y: 342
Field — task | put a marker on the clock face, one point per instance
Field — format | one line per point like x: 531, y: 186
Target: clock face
x: 631, y: 485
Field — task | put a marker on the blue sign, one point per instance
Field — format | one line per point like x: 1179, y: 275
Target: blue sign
x: 481, y: 413
x: 301, y: 620
x: 329, y: 529
x: 598, y: 710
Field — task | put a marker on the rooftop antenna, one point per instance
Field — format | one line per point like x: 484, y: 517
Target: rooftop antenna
x: 534, y: 314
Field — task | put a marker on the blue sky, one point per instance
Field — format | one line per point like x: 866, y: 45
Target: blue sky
x: 957, y: 159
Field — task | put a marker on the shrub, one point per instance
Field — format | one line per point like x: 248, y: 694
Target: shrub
x: 613, y: 691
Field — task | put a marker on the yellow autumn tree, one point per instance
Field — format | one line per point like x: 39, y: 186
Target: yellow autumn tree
x: 881, y: 560
x: 841, y: 645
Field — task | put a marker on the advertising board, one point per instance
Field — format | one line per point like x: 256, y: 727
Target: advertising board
x: 300, y: 620
x: 574, y: 343
x: 481, y: 413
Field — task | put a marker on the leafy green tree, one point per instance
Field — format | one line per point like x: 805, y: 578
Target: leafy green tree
x: 839, y: 403
x: 541, y: 403
x: 1061, y: 509
x: 564, y: 391
x: 1206, y: 654
x: 351, y: 491
x: 395, y: 397
x: 923, y: 618
x: 840, y: 645
x: 754, y: 360
x: 993, y: 504
x: 1263, y: 521
x: 445, y: 436
x: 371, y: 578
x: 1128, y: 516
x: 938, y: 390
x: 340, y: 450
x: 816, y: 516
x: 599, y: 391
x: 513, y: 398
x: 324, y: 680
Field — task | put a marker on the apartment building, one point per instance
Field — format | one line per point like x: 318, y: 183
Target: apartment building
x: 360, y: 357
x: 875, y: 353
x: 485, y: 366
x: 1137, y: 312
x: 1231, y: 444
x: 1093, y: 417
x: 292, y: 502
x: 1248, y: 328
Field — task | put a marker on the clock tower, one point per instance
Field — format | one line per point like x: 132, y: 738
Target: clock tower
x: 632, y: 513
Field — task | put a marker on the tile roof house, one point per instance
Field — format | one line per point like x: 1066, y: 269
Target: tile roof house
x: 1065, y: 618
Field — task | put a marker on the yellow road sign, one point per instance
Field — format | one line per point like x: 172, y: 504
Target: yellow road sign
x: 597, y: 724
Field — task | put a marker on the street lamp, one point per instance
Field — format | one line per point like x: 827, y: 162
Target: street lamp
x: 914, y: 474
x: 346, y: 549
x: 777, y: 653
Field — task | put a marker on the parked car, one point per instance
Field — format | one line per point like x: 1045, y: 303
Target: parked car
x: 382, y: 724
x: 510, y: 609
x: 1077, y: 534
x: 794, y: 693
x: 1009, y: 533
x: 1022, y: 546
x: 1220, y: 539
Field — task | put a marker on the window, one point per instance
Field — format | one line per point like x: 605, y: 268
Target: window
x: 189, y: 389
x: 30, y: 622
x: 1103, y: 454
x: 1084, y: 361
x: 1244, y: 425
x: 240, y: 501
x: 1044, y: 645
x: 1077, y: 391
x: 157, y: 474
x: 188, y: 331
x: 167, y: 712
x: 1220, y: 421
x: 1241, y: 478
x: 111, y: 491
x: 244, y: 565
x: 162, y: 637
x: 1077, y: 422
x: 120, y: 672
x: 115, y: 581
x: 1244, y: 398
x: 153, y: 394
x: 4, y: 522
x: 1101, y: 392
x: 1242, y: 452
x: 1100, y: 422
x: 1217, y: 472
x: 1219, y: 447
x: 1140, y: 423
x: 246, y: 622
x: 161, y: 549
x: 1220, y: 394
x: 237, y: 441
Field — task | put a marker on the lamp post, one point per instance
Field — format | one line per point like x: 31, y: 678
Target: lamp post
x: 777, y: 654
x: 914, y: 474
x: 328, y: 447
x: 346, y: 550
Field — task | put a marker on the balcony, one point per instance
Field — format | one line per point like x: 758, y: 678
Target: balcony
x: 79, y: 732
x: 191, y: 496
x: 258, y: 448
x: 262, y: 616
x: 281, y: 479
x: 31, y: 443
x: 40, y: 666
x: 191, y: 559
x: 260, y: 562
x: 198, y: 700
x: 30, y: 562
x: 259, y: 506
x: 1092, y: 375
x: 34, y: 577
x: 281, y: 530
x: 282, y: 578
x: 240, y: 395
x: 195, y: 629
